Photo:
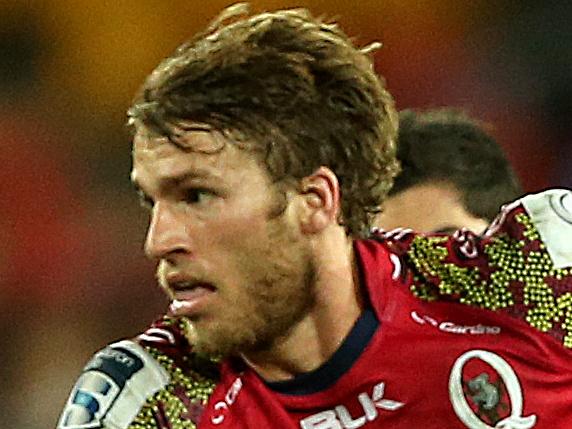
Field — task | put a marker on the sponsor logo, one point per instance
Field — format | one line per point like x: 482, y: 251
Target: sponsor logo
x: 340, y: 417
x: 453, y: 328
x: 222, y: 407
x: 479, y: 401
x: 102, y: 381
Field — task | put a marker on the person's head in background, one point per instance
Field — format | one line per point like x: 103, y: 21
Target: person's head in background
x: 454, y: 174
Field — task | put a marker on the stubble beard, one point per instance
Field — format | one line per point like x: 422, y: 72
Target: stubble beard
x: 279, y: 292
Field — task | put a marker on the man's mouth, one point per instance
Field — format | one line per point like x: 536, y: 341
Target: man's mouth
x: 188, y: 297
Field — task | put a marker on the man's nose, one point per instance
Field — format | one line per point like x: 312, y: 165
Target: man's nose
x: 167, y: 233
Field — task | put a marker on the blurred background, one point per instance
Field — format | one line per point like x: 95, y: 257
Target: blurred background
x: 72, y: 273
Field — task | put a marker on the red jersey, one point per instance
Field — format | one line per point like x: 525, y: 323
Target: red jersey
x: 460, y: 332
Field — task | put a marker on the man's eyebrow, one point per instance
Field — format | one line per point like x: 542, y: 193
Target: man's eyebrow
x: 176, y: 179
x: 186, y: 175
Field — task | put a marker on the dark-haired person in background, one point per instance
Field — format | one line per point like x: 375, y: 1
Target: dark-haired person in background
x: 453, y: 174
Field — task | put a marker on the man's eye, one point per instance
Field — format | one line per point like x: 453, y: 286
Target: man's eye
x: 197, y: 195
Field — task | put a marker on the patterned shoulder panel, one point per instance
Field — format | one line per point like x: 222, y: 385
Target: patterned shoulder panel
x: 521, y: 266
x: 192, y: 379
x: 154, y: 381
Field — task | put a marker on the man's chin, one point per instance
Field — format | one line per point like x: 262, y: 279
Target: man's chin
x: 211, y: 340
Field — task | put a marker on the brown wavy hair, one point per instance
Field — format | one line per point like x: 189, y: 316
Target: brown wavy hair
x: 287, y: 85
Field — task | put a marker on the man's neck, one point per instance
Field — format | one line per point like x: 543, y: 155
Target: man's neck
x: 314, y: 339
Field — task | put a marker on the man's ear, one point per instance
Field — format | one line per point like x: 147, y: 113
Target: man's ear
x: 320, y: 194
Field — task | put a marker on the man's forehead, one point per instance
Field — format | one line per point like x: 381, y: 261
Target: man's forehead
x: 163, y: 159
x: 186, y: 136
x: 203, y: 153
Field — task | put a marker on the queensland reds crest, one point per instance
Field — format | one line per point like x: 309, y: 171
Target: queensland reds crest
x: 486, y: 394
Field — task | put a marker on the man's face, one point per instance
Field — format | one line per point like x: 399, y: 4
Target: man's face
x: 430, y: 207
x: 230, y: 254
